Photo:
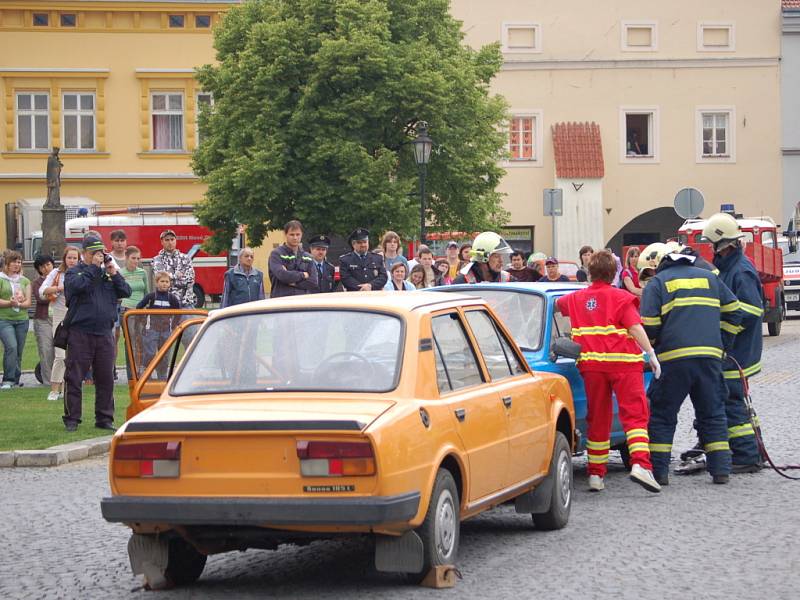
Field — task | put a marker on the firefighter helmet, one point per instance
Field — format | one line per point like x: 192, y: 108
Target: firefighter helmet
x: 722, y: 231
x: 651, y: 256
x: 488, y: 243
x: 674, y: 247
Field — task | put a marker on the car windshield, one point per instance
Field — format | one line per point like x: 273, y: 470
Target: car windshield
x: 318, y: 350
x: 522, y: 314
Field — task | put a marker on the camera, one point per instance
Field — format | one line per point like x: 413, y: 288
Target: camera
x: 107, y: 258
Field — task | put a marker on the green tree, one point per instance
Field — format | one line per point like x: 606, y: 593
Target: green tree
x: 314, y: 103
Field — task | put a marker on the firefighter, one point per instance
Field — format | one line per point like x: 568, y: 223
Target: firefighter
x: 689, y: 315
x: 605, y: 322
x: 326, y: 272
x: 490, y: 255
x: 739, y: 274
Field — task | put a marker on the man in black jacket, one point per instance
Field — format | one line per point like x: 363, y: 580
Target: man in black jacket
x: 92, y: 289
x: 290, y: 269
x: 362, y: 270
x: 326, y: 272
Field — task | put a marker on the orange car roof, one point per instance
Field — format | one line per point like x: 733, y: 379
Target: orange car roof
x: 388, y: 301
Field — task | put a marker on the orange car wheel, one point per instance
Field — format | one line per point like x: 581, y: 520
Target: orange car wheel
x: 184, y: 563
x: 440, y: 531
x: 561, y: 475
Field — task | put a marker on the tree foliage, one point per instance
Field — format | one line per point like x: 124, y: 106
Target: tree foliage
x: 314, y: 103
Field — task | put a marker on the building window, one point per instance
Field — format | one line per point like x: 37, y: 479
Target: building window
x: 69, y: 19
x: 79, y: 120
x: 202, y: 21
x: 33, y: 118
x: 41, y: 19
x: 715, y: 134
x: 639, y: 36
x: 522, y: 37
x: 521, y: 140
x: 205, y: 100
x: 639, y: 134
x: 167, y: 119
x: 715, y: 37
x: 176, y: 21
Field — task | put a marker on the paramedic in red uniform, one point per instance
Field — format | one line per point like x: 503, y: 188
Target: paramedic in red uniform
x: 605, y: 322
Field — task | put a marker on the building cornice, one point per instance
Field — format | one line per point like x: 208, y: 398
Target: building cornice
x: 51, y: 72
x: 102, y: 176
x: 791, y: 21
x: 647, y: 63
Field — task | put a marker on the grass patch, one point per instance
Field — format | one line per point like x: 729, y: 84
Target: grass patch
x: 30, y: 354
x: 30, y: 422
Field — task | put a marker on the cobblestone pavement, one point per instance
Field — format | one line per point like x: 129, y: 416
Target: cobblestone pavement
x: 695, y: 540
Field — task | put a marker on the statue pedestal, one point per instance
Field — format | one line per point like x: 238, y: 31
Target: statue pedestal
x: 53, y: 222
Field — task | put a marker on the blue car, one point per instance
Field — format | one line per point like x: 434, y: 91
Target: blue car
x: 529, y: 314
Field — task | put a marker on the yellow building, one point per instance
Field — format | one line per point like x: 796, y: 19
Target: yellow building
x: 683, y: 93
x: 110, y: 82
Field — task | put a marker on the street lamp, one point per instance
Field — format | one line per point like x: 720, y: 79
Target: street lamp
x: 422, y: 155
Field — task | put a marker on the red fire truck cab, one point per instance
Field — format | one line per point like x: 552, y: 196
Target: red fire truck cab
x: 143, y: 229
x: 761, y: 235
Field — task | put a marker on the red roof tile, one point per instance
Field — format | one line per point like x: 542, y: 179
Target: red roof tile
x: 791, y: 3
x: 578, y: 150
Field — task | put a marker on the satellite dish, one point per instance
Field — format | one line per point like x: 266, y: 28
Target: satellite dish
x: 689, y: 203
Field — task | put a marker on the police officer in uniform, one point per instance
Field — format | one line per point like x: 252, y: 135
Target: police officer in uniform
x: 362, y: 270
x: 319, y: 245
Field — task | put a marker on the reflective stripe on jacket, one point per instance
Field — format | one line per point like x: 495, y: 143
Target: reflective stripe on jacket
x: 688, y: 312
x: 739, y: 274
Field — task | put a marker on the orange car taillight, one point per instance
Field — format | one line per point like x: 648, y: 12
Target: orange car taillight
x: 151, y: 459
x: 335, y: 459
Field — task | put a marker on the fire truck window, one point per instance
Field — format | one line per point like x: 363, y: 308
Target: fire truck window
x: 768, y: 239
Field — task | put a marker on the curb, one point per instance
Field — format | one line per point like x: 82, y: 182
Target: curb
x: 57, y: 455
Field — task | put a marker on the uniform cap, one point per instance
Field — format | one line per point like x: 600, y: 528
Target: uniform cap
x: 93, y: 243
x: 322, y: 241
x: 167, y: 232
x: 358, y: 234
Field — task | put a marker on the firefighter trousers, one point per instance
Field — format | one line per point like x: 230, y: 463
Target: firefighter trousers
x: 628, y: 387
x: 701, y: 379
x: 741, y: 435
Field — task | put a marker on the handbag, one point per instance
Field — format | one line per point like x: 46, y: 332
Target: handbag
x: 61, y: 334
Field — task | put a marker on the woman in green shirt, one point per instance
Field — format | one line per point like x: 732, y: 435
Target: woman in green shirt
x: 15, y: 299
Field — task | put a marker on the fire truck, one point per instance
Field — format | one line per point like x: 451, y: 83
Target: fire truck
x: 761, y: 235
x: 143, y: 227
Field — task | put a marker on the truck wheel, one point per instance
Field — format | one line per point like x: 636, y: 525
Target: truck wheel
x: 440, y: 529
x: 184, y: 563
x: 199, y: 296
x: 561, y: 474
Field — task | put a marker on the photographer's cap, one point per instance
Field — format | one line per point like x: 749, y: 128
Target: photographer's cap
x: 92, y: 244
x: 168, y: 232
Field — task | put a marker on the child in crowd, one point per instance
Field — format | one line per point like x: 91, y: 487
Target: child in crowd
x: 158, y: 328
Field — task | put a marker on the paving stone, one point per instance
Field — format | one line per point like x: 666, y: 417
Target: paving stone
x: 41, y: 458
x: 7, y: 459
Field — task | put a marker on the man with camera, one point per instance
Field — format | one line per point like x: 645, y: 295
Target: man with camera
x: 92, y: 289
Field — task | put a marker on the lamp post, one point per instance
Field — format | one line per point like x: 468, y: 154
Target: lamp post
x: 422, y: 155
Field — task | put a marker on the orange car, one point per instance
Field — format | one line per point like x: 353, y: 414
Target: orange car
x: 391, y: 414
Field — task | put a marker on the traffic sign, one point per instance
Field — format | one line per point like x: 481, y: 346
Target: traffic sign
x: 553, y: 202
x: 689, y: 203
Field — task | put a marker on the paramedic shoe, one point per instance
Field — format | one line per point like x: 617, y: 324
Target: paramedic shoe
x: 644, y: 478
x: 596, y: 483
x: 739, y: 469
x: 52, y: 396
x: 720, y: 479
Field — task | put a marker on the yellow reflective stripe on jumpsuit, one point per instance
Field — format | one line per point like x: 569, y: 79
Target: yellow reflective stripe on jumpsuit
x: 699, y: 351
x: 748, y: 372
x: 690, y: 301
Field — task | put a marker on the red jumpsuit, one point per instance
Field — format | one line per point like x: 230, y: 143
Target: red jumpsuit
x: 610, y: 360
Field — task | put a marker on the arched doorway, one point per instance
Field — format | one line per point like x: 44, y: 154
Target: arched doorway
x: 655, y: 225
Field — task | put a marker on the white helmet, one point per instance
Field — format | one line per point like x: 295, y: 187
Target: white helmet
x: 722, y: 230
x: 651, y: 256
x: 488, y: 243
x: 674, y: 247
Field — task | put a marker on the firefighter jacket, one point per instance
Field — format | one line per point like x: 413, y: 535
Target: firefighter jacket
x: 471, y: 273
x: 699, y: 261
x: 291, y: 273
x: 739, y: 274
x: 600, y: 316
x: 688, y: 312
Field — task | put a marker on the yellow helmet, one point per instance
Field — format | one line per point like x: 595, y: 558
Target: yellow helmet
x: 488, y: 243
x: 651, y: 256
x: 722, y: 230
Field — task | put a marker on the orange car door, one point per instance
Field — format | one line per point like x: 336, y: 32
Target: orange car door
x: 475, y: 409
x: 526, y: 404
x: 155, y: 341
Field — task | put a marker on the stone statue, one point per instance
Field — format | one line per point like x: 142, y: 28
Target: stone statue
x: 54, y: 165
